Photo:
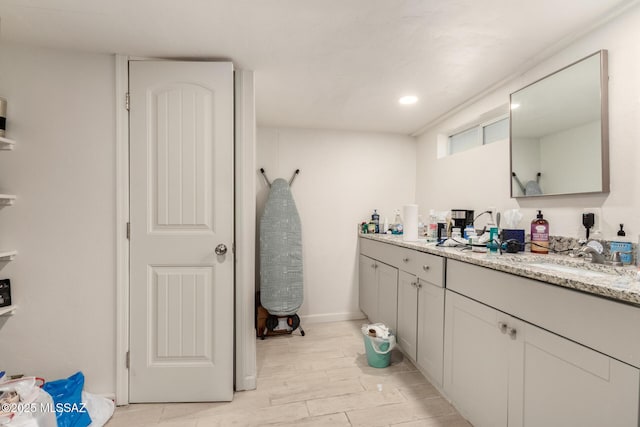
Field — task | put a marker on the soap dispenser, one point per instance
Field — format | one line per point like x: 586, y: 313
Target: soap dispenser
x: 375, y: 218
x: 540, y: 235
x: 622, y: 245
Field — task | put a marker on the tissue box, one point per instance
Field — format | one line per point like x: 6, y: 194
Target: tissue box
x: 514, y: 234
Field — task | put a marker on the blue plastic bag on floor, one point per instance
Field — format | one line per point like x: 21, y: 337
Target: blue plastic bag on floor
x: 67, y: 399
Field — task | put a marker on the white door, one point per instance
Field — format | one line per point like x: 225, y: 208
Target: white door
x: 563, y: 384
x: 387, y: 295
x: 476, y: 360
x: 368, y: 296
x: 181, y: 190
x: 430, y: 330
x: 408, y: 313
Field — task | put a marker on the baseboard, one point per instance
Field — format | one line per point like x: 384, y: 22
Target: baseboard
x: 248, y: 383
x: 332, y: 317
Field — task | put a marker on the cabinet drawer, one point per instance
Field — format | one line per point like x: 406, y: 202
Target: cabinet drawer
x: 427, y: 267
x: 381, y: 251
x: 430, y: 268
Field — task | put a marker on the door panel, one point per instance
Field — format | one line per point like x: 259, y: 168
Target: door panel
x: 567, y: 384
x: 408, y: 313
x: 476, y: 361
x: 368, y: 287
x: 431, y: 330
x: 181, y: 186
x: 387, y: 295
x: 180, y: 329
x: 181, y: 179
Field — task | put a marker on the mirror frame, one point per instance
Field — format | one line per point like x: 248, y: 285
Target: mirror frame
x: 604, y: 127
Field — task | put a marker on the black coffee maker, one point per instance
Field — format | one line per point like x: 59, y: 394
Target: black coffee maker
x: 461, y: 218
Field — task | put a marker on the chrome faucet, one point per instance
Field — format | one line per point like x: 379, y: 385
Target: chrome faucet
x: 592, y: 248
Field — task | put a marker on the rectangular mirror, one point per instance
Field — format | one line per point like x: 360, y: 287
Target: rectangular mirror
x: 559, y: 136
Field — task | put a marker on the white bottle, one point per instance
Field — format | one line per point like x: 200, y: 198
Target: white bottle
x: 432, y: 228
x: 398, y: 222
x: 385, y: 225
x: 421, y: 227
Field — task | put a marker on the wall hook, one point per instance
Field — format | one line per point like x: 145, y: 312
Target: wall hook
x: 293, y: 177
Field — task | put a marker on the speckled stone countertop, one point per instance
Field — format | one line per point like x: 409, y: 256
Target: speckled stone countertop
x: 618, y: 283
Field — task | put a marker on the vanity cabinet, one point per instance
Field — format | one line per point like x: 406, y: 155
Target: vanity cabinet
x: 378, y: 291
x: 476, y: 361
x: 421, y: 323
x: 502, y: 370
x: 429, y: 358
x: 418, y: 302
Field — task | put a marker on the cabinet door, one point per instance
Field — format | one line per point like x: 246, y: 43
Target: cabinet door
x: 407, y: 313
x: 368, y: 287
x: 387, y: 295
x: 566, y: 384
x: 431, y: 330
x: 476, y: 361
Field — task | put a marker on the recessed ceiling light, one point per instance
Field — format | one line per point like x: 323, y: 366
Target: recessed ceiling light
x: 407, y: 100
x: 514, y: 106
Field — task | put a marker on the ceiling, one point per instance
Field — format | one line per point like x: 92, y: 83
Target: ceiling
x: 336, y: 64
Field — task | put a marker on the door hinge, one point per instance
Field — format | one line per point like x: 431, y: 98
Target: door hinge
x: 126, y: 101
x: 128, y: 230
x: 127, y: 361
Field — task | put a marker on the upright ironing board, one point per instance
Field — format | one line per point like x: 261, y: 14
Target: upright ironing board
x: 281, y: 292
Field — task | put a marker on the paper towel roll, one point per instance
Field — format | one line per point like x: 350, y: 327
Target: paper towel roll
x: 410, y: 226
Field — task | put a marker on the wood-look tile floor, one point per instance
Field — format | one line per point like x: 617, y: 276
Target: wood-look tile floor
x: 322, y: 379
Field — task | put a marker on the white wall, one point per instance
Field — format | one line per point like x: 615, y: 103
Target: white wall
x: 343, y: 177
x: 61, y: 112
x: 479, y: 178
x: 565, y: 165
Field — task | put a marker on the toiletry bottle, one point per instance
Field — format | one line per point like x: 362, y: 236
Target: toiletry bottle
x: 540, y: 235
x: 492, y: 245
x: 432, y: 232
x: 421, y: 227
x: 468, y: 230
x: 398, y: 222
x: 622, y: 245
x: 375, y: 217
x: 385, y: 225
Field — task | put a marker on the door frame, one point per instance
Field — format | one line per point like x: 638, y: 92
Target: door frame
x: 245, y: 368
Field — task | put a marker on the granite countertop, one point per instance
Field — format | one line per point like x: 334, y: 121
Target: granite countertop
x: 617, y: 283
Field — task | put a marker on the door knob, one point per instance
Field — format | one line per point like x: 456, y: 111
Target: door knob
x: 221, y: 249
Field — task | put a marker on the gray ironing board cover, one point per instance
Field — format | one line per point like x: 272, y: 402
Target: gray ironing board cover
x: 280, y: 252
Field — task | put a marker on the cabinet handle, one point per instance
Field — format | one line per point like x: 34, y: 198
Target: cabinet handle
x: 414, y: 284
x: 503, y: 327
x: 405, y: 259
x: 419, y: 285
x: 512, y: 332
x: 426, y: 267
x: 374, y: 265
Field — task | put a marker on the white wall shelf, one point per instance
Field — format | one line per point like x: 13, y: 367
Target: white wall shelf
x: 7, y: 199
x: 8, y: 255
x: 7, y: 311
x: 6, y: 143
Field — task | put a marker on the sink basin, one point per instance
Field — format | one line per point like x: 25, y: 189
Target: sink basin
x: 571, y: 270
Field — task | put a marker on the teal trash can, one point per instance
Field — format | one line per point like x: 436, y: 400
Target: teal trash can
x: 378, y: 351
